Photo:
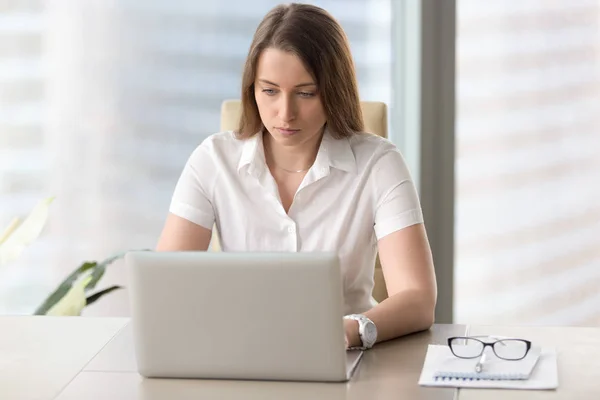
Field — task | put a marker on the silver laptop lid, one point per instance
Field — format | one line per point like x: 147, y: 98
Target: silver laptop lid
x: 237, y: 315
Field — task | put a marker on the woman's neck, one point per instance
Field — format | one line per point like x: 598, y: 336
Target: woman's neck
x: 297, y: 158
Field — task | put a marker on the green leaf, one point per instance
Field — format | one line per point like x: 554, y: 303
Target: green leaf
x: 73, y: 302
x: 63, y: 288
x: 66, y: 285
x: 100, y: 269
x: 80, y: 270
x: 91, y: 299
x: 97, y: 274
x: 114, y: 258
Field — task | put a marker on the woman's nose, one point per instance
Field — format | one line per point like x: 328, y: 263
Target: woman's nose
x: 287, y: 110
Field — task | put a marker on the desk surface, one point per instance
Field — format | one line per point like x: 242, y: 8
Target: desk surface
x: 578, y: 362
x: 385, y: 372
x: 39, y: 356
x: 92, y: 358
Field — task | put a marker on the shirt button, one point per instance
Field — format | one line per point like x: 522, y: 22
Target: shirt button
x: 291, y: 229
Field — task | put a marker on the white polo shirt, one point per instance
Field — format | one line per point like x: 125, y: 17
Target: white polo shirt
x: 357, y: 191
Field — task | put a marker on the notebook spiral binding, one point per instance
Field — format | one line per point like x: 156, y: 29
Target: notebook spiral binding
x: 478, y: 377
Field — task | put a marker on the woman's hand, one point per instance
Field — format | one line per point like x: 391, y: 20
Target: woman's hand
x: 352, y: 336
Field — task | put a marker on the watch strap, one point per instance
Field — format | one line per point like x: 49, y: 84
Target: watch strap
x: 362, y: 319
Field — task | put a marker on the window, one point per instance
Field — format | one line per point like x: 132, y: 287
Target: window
x: 527, y: 165
x: 102, y: 103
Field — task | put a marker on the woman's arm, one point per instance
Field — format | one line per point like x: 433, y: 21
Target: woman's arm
x: 179, y: 234
x: 409, y: 274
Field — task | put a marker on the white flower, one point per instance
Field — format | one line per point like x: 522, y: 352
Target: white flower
x: 17, y: 236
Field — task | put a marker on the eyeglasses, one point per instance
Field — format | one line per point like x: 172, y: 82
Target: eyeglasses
x: 506, y: 349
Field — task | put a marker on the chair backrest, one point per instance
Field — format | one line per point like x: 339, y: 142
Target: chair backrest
x: 375, y: 117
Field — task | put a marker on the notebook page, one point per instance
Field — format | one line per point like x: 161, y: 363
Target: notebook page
x: 543, y: 376
x: 450, y: 366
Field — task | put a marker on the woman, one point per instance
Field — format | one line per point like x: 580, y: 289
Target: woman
x: 301, y: 175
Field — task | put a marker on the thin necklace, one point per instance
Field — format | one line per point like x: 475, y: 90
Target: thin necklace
x: 292, y: 171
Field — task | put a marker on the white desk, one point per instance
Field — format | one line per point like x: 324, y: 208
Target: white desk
x: 578, y: 362
x: 75, y: 358
x: 45, y: 358
x: 39, y: 356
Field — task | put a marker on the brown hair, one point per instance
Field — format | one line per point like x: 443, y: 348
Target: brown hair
x: 319, y: 41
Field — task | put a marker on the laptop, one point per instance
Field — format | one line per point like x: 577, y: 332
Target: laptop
x: 256, y: 316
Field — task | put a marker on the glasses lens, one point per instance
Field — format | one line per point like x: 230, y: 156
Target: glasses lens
x: 466, y: 347
x: 510, y: 349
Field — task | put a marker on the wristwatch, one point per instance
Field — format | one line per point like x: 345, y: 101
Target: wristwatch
x: 366, y: 330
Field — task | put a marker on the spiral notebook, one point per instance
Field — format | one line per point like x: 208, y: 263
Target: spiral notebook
x: 538, y: 370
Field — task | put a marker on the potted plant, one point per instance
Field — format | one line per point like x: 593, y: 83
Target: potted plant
x: 77, y: 290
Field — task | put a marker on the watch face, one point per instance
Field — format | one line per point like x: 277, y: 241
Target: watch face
x: 370, y: 333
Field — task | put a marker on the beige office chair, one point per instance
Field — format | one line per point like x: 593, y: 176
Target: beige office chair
x: 375, y: 116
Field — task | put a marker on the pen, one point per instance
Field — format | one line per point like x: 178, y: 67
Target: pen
x: 479, y: 365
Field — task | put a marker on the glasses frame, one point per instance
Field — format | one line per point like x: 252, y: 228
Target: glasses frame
x: 490, y: 344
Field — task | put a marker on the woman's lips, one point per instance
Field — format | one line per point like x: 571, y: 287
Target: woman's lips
x: 288, y: 131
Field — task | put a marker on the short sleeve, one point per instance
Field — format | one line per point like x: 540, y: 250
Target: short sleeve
x: 192, y: 198
x: 397, y: 203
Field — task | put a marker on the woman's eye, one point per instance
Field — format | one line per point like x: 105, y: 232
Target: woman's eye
x: 269, y: 92
x: 306, y: 94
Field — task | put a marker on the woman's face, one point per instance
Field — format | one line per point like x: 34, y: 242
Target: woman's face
x: 288, y: 100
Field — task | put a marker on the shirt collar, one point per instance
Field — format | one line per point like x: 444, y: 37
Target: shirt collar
x: 252, y: 154
x: 336, y: 153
